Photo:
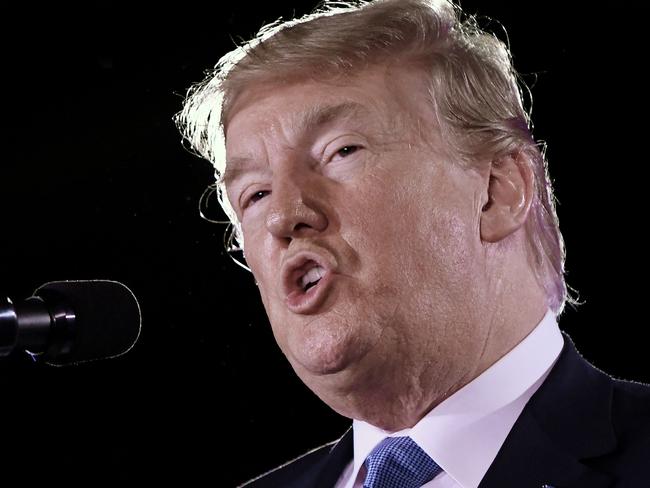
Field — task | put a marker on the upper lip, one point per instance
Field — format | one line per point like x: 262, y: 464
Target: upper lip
x: 292, y: 269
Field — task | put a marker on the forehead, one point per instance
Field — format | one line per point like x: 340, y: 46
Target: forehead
x: 309, y: 117
x: 379, y: 93
x: 386, y: 104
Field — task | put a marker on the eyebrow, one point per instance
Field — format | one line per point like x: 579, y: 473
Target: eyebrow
x: 303, y: 123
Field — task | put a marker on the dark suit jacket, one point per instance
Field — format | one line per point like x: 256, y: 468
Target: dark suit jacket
x: 581, y: 428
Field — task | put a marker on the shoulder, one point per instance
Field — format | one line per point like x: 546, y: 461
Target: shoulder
x: 631, y: 401
x: 297, y: 472
x: 631, y: 419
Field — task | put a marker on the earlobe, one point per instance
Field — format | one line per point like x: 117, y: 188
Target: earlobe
x: 510, y: 191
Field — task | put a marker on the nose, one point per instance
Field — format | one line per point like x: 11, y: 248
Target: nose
x: 297, y: 207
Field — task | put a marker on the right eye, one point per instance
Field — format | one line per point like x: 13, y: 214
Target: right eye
x: 347, y: 150
x: 255, y: 197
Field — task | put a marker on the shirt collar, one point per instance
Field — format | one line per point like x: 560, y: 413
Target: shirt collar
x: 477, y: 418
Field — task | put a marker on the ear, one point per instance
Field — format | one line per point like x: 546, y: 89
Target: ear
x: 510, y: 193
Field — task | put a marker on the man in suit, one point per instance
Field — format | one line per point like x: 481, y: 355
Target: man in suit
x: 397, y: 215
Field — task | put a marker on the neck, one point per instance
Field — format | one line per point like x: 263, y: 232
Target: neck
x: 412, y: 375
x: 417, y: 399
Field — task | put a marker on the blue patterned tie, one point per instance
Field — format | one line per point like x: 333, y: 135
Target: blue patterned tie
x: 398, y: 462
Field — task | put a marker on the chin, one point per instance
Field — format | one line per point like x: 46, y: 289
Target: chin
x: 321, y: 350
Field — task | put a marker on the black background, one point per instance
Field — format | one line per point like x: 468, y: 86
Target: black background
x: 96, y: 185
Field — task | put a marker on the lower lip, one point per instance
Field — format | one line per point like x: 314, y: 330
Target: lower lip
x: 310, y: 301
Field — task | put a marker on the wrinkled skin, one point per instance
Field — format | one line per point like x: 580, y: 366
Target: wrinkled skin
x: 421, y: 302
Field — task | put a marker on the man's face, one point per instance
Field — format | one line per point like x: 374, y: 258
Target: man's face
x: 363, y: 239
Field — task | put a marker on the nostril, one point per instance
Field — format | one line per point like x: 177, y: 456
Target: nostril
x: 290, y: 219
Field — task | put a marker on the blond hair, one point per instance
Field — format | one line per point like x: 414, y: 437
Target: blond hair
x: 474, y: 91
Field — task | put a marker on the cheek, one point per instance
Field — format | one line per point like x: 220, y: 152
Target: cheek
x: 451, y: 275
x: 258, y: 259
x: 374, y: 212
x: 264, y: 264
x: 415, y: 238
x: 385, y: 215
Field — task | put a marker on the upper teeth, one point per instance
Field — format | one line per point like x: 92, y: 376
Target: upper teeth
x: 311, y: 276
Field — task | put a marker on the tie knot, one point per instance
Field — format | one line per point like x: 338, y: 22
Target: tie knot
x: 398, y: 462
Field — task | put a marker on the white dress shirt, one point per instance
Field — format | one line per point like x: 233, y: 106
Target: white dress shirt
x: 464, y: 433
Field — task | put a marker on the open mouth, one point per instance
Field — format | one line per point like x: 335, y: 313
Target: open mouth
x: 306, y: 285
x: 311, y: 278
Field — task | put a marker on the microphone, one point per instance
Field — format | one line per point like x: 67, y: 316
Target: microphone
x: 68, y: 322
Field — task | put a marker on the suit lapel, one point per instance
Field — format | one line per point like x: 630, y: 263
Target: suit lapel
x: 566, y: 421
x: 339, y: 457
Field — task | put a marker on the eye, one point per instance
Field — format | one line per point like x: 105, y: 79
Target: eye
x: 347, y: 150
x: 255, y: 197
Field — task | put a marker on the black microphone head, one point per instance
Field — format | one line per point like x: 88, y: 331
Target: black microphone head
x: 106, y: 319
